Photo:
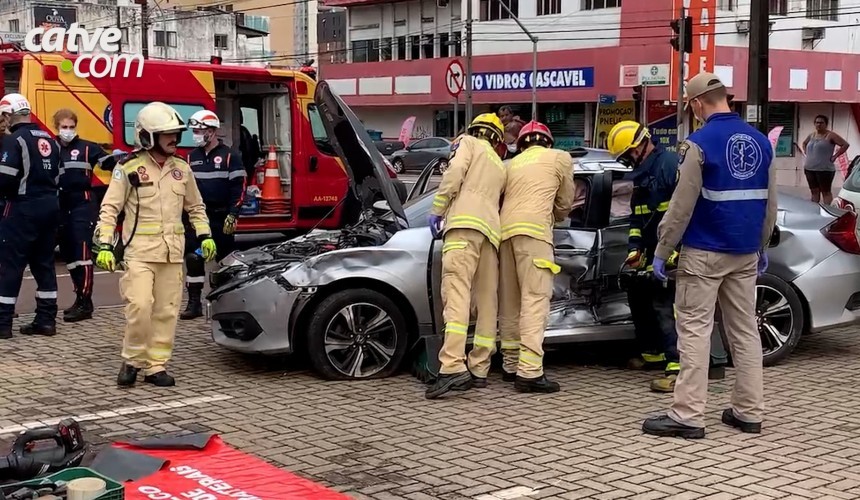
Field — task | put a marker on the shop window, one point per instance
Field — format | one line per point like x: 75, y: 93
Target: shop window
x: 783, y: 114
x: 385, y: 50
x: 360, y: 50
x: 548, y: 7
x: 492, y: 10
x: 565, y: 121
x: 779, y: 7
x: 427, y: 47
x: 600, y: 4
x: 401, y: 48
x: 826, y: 10
x: 129, y: 115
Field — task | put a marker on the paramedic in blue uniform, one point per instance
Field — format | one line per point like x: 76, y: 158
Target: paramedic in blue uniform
x: 78, y: 209
x: 30, y: 166
x: 220, y: 176
x: 723, y: 213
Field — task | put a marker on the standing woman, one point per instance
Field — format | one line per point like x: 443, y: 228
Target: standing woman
x: 819, y: 165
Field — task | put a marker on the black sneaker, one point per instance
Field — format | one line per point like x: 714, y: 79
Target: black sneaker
x: 540, y: 384
x: 34, y: 329
x: 664, y: 426
x: 509, y: 377
x: 729, y: 418
x: 449, y: 382
x: 127, y: 375
x: 160, y: 379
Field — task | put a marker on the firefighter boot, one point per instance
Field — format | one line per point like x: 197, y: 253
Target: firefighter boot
x: 539, y: 384
x: 449, y: 382
x: 73, y: 306
x: 667, y: 382
x: 127, y: 375
x: 34, y: 329
x: 81, y: 310
x: 194, y: 309
x: 5, y: 334
x: 160, y: 379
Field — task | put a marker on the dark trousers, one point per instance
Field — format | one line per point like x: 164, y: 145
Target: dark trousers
x: 652, y: 305
x: 77, y: 214
x: 28, y: 231
x: 194, y: 264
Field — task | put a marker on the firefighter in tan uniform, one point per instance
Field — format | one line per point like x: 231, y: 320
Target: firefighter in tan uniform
x: 152, y: 187
x: 468, y: 203
x: 539, y: 192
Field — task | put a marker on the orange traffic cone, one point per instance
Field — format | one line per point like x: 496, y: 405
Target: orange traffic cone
x: 272, y: 200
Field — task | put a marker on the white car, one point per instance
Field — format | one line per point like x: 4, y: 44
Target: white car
x: 849, y: 195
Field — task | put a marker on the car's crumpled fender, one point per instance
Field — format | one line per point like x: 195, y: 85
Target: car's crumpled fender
x: 383, y: 264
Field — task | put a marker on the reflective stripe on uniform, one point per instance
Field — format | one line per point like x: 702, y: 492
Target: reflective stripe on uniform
x: 635, y: 233
x: 454, y: 245
x: 663, y: 206
x: 78, y: 263
x: 159, y: 353
x: 236, y: 174
x: 49, y: 294
x: 653, y: 358
x: 201, y: 228
x: 508, y: 345
x: 456, y: 328
x: 211, y: 175
x: 734, y: 194
x: 527, y: 227
x: 8, y: 170
x: 25, y: 161
x: 547, y: 264
x: 77, y: 165
x: 644, y: 210
x: 478, y: 224
x: 8, y: 300
x: 673, y: 367
x: 195, y: 279
x: 483, y: 341
x: 149, y: 229
x: 179, y: 229
x: 530, y: 358
x: 440, y: 200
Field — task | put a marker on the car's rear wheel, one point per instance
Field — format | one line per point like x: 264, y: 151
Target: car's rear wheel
x: 356, y: 334
x: 443, y: 166
x: 780, y: 317
x: 397, y: 165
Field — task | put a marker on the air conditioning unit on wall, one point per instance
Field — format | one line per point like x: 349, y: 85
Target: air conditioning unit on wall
x: 811, y: 35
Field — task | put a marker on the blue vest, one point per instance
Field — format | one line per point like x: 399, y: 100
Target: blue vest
x: 729, y: 215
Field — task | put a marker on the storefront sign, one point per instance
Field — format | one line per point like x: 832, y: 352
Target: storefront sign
x: 610, y: 114
x: 704, y: 14
x: 653, y: 75
x: 546, y: 79
x: 663, y: 125
x: 54, y: 17
x: 10, y: 37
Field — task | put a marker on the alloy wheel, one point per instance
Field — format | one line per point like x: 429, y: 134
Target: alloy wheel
x: 774, y: 317
x: 443, y: 166
x: 360, y: 340
x: 397, y: 166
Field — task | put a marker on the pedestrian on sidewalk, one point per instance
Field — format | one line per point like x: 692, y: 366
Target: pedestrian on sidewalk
x: 723, y: 212
x: 820, y: 149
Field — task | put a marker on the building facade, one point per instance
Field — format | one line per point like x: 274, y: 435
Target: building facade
x: 400, y: 51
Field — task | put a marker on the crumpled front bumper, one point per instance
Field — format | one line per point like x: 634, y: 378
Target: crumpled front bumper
x: 254, y: 318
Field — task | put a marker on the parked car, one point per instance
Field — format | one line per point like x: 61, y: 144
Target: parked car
x: 387, y: 148
x: 355, y: 299
x: 849, y: 195
x: 421, y: 152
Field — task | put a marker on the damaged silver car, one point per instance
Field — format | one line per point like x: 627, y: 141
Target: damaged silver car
x: 355, y: 300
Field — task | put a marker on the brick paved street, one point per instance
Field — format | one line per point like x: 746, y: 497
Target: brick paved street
x: 383, y: 440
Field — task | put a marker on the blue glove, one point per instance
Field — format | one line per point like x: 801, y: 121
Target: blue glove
x: 762, y: 263
x: 436, y: 225
x: 660, y: 269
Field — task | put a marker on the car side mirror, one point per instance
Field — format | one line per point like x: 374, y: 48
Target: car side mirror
x: 381, y: 206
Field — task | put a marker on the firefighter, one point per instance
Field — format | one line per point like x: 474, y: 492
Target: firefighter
x: 220, y: 177
x: 78, y: 209
x: 29, y: 167
x: 152, y: 187
x: 654, y: 174
x: 467, y: 203
x: 539, y: 192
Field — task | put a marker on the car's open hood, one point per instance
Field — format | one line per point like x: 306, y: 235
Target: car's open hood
x: 365, y: 165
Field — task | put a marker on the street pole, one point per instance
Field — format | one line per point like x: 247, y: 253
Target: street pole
x: 681, y: 121
x: 144, y: 28
x: 456, y: 119
x: 534, y: 40
x: 757, y: 92
x: 468, y: 82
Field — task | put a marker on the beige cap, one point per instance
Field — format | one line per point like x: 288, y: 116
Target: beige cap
x: 699, y: 85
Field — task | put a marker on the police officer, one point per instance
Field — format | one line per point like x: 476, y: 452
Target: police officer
x: 539, y: 192
x: 220, y: 176
x: 722, y: 212
x: 78, y: 209
x: 651, y: 301
x: 467, y: 203
x: 152, y: 187
x: 30, y: 165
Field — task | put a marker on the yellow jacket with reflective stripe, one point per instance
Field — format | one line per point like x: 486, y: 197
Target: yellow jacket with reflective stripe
x: 471, y: 188
x: 539, y: 192
x: 164, y: 193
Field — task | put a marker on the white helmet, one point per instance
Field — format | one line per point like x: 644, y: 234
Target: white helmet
x: 156, y: 118
x: 14, y: 104
x: 204, y: 119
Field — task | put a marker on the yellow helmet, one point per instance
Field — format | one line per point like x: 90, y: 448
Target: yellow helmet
x: 625, y: 136
x: 156, y: 118
x: 490, y: 124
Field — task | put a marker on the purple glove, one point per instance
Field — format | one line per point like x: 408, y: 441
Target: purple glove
x: 436, y: 225
x: 660, y: 269
x: 762, y: 263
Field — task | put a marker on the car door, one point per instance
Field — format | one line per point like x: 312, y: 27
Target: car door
x: 612, y: 306
x: 418, y: 156
x: 440, y: 148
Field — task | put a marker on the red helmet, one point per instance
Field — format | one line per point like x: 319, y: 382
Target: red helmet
x: 531, y: 132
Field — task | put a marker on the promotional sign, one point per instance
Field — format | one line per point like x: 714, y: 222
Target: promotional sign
x: 773, y: 136
x: 704, y: 14
x: 54, y: 17
x: 455, y: 78
x: 653, y: 75
x: 842, y: 163
x: 608, y: 115
x: 663, y: 125
x: 564, y: 78
x: 406, y: 130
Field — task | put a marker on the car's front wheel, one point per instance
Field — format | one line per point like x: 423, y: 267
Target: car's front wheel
x: 356, y: 334
x: 397, y: 165
x: 780, y: 318
x: 443, y: 166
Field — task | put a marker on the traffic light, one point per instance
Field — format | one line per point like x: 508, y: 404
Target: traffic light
x: 688, y: 34
x: 637, y: 93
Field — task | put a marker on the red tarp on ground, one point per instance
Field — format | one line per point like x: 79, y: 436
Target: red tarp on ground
x: 219, y: 472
